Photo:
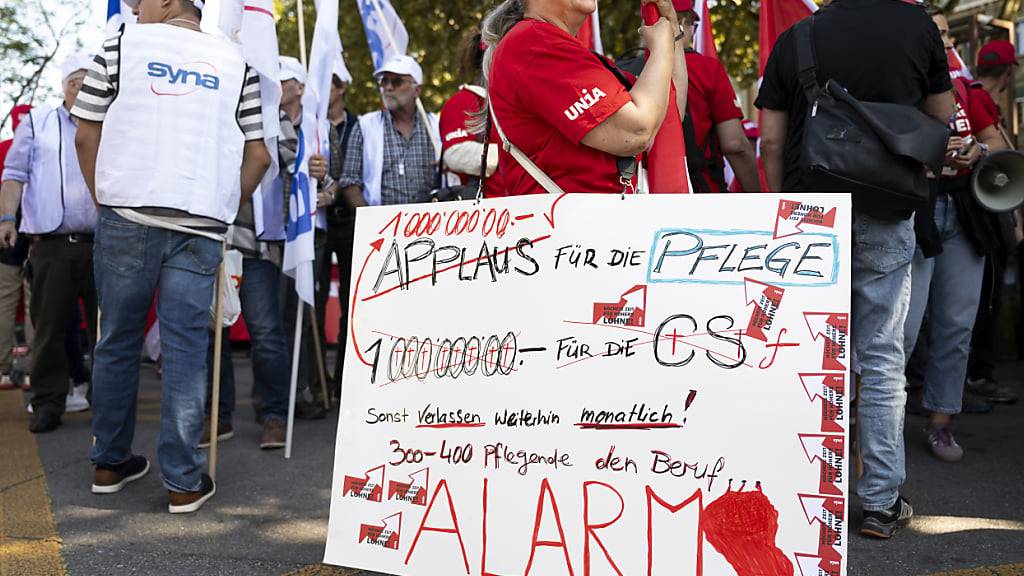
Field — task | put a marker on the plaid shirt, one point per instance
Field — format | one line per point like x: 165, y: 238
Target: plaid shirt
x: 414, y: 156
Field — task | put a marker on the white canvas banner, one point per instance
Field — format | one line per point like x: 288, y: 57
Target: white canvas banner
x: 597, y: 385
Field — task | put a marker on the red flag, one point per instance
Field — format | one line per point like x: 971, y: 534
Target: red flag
x: 590, y: 33
x: 957, y: 67
x: 666, y: 160
x: 776, y: 17
x: 704, y: 41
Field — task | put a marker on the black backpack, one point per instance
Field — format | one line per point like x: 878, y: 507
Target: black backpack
x: 878, y: 151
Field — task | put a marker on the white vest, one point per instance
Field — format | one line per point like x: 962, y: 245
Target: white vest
x: 55, y: 190
x: 372, y: 127
x: 171, y: 138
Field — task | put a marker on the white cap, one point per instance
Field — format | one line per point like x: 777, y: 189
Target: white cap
x: 402, y: 65
x: 341, y: 70
x: 133, y: 4
x: 80, y: 60
x: 292, y: 69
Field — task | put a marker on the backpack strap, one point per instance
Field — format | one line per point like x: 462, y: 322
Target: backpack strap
x: 532, y: 169
x: 807, y: 67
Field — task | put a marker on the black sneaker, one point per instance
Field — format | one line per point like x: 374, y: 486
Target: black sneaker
x: 306, y: 410
x: 111, y: 479
x: 992, y: 391
x: 974, y: 404
x: 185, y: 502
x: 44, y: 421
x: 883, y: 523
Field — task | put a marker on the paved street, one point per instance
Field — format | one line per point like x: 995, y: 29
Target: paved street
x: 270, y: 515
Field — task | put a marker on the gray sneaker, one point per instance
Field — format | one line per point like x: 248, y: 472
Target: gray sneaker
x: 943, y: 445
x: 883, y: 523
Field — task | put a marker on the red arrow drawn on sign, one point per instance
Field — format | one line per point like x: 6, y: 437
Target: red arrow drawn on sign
x: 376, y: 245
x: 811, y: 565
x: 550, y: 216
x: 815, y: 445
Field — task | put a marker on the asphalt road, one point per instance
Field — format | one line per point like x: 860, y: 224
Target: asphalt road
x: 270, y: 515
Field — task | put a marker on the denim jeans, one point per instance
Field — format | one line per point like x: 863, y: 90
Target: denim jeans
x: 261, y: 283
x: 951, y: 282
x: 880, y: 272
x: 132, y: 262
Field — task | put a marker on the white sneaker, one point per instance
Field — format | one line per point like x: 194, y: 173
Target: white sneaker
x: 76, y: 401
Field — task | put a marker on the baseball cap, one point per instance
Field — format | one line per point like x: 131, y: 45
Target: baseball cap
x: 292, y: 69
x: 80, y: 60
x: 402, y: 65
x: 682, y: 5
x: 996, y: 53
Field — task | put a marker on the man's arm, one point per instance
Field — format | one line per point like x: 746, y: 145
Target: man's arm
x: 773, y: 143
x: 353, y: 196
x: 941, y: 106
x: 10, y: 200
x: 737, y: 149
x: 87, y: 144
x: 255, y: 161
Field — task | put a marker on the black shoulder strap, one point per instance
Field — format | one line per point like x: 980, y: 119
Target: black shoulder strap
x: 807, y: 68
x: 694, y: 155
x: 614, y: 70
x: 350, y: 124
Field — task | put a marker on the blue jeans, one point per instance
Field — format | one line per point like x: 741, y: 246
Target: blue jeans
x: 132, y: 262
x: 261, y: 283
x: 882, y: 252
x: 951, y: 282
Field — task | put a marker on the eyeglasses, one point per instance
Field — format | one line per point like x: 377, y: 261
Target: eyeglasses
x: 394, y: 82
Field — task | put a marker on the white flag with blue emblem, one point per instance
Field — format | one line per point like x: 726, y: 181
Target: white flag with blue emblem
x: 384, y: 30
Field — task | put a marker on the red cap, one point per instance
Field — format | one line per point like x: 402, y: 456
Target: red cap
x: 750, y: 129
x: 996, y: 53
x: 683, y: 5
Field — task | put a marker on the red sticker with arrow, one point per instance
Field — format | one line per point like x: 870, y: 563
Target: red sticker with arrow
x: 386, y: 536
x: 414, y: 491
x: 831, y: 390
x: 766, y: 300
x: 835, y: 329
x: 830, y: 452
x: 628, y: 311
x: 797, y: 217
x: 368, y: 487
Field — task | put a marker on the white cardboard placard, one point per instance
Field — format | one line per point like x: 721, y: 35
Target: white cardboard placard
x: 591, y: 384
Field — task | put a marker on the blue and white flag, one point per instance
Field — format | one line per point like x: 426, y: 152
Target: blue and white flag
x: 299, y: 251
x: 118, y: 13
x: 384, y: 30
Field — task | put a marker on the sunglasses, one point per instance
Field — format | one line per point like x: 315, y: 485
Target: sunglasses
x: 396, y: 82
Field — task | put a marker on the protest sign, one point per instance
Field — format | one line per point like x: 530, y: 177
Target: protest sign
x: 596, y: 384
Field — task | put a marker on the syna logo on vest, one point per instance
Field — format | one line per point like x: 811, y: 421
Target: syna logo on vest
x: 184, y: 80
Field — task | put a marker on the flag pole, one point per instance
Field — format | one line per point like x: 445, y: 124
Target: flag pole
x: 218, y: 342
x: 295, y: 377
x: 419, y: 103
x: 321, y: 369
x: 302, y: 36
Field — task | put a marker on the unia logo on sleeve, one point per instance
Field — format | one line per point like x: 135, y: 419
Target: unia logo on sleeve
x: 587, y: 100
x: 183, y: 80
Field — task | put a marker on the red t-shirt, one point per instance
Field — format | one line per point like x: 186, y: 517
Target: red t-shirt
x: 548, y: 92
x: 455, y: 116
x: 711, y: 100
x: 983, y: 109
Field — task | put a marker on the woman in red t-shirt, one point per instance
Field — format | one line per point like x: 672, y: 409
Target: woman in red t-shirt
x: 562, y: 105
x: 461, y: 149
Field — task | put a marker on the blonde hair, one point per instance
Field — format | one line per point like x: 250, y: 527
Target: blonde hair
x: 495, y: 26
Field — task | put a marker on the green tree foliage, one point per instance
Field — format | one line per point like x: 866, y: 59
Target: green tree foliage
x: 31, y: 35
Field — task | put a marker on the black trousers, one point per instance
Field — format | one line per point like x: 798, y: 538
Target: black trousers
x: 61, y: 274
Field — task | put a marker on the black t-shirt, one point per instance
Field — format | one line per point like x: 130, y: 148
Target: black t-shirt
x: 879, y: 50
